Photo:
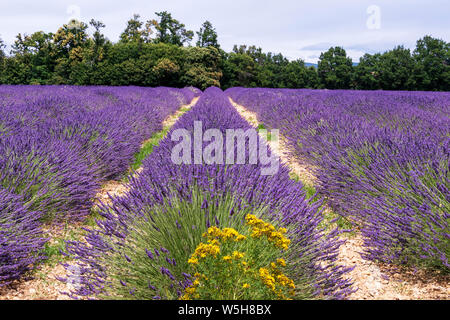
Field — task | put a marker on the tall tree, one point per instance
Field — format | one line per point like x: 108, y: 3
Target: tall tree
x: 170, y: 30
x: 134, y: 31
x: 72, y: 46
x: 71, y: 37
x: 207, y: 36
x: 239, y: 69
x: 2, y: 48
x: 395, y: 68
x: 367, y: 72
x: 99, y: 37
x: 201, y: 68
x: 432, y: 64
x: 297, y: 76
x: 2, y: 61
x: 99, y: 40
x: 335, y: 69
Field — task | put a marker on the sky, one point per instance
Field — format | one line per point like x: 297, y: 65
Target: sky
x: 297, y: 29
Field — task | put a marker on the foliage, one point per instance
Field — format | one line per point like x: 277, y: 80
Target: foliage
x: 244, y: 266
x: 335, y: 69
x: 170, y: 30
x: 207, y: 36
x: 432, y: 67
x: 73, y: 56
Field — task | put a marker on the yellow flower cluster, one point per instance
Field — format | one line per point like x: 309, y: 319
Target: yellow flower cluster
x: 236, y: 256
x: 261, y: 228
x: 225, y: 234
x: 203, y: 250
x: 271, y: 276
x: 274, y: 277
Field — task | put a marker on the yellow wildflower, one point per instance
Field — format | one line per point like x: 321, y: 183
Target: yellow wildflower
x: 238, y: 255
x: 281, y: 262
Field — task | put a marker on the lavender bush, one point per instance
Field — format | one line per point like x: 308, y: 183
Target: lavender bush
x: 20, y: 238
x: 382, y: 160
x: 177, y: 203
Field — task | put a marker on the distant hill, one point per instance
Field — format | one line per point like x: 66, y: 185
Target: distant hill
x: 309, y: 64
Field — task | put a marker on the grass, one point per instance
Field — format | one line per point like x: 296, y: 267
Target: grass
x: 53, y: 252
x: 261, y: 126
x: 52, y: 249
x: 153, y: 142
x: 310, y: 189
x: 148, y: 148
x: 331, y: 219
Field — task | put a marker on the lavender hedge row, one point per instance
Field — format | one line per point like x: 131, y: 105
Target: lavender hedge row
x: 382, y: 159
x: 104, y: 267
x: 20, y: 237
x: 58, y: 144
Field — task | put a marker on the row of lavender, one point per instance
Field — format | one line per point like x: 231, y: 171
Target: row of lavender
x: 57, y: 145
x: 141, y: 247
x: 382, y: 159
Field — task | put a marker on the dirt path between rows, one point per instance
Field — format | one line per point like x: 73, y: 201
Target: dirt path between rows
x: 44, y: 284
x: 374, y: 281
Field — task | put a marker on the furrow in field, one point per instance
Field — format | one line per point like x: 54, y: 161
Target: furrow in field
x: 299, y: 169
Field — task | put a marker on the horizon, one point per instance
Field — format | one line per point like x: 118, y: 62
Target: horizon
x: 358, y: 26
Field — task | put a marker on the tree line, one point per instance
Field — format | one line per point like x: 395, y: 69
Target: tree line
x: 158, y: 52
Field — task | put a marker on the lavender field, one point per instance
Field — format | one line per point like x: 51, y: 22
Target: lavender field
x: 57, y: 146
x: 213, y: 230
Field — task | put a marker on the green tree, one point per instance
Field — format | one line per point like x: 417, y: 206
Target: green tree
x: 99, y: 39
x: 2, y: 48
x: 132, y: 32
x: 367, y: 72
x: 170, y: 30
x: 2, y: 61
x: 239, y: 69
x: 32, y: 54
x: 207, y: 36
x: 335, y: 69
x: 136, y: 31
x: 296, y: 75
x: 270, y: 68
x: 395, y: 68
x: 70, y: 37
x: 388, y: 71
x: 201, y: 68
x: 72, y: 47
x: 432, y: 65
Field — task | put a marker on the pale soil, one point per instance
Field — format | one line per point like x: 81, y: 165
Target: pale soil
x: 170, y: 121
x: 374, y: 281
x: 44, y: 284
x: 303, y: 171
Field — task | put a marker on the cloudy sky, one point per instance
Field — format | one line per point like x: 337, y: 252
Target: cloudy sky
x: 296, y: 28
